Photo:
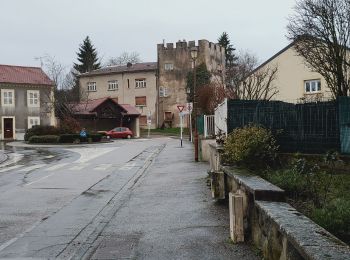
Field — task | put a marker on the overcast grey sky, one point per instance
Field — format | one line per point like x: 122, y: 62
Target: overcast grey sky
x: 32, y: 28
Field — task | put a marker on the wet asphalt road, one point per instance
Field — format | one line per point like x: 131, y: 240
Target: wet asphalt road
x: 133, y: 199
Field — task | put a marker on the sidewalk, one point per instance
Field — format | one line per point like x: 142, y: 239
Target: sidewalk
x: 170, y: 215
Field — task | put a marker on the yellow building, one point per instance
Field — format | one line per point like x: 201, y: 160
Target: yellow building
x: 295, y: 81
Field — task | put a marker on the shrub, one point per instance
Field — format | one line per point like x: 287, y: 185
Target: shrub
x: 69, y: 125
x: 253, y: 146
x: 76, y: 138
x: 41, y: 130
x: 43, y: 139
x: 69, y: 138
x: 335, y: 217
x: 95, y: 137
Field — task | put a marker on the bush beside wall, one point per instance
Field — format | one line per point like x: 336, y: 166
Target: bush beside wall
x: 42, y: 139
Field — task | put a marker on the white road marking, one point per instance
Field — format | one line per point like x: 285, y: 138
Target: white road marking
x: 11, y: 168
x: 33, y: 167
x: 13, y: 158
x: 103, y: 167
x: 88, y: 154
x: 79, y: 167
x: 42, y: 178
x: 56, y: 167
x: 128, y: 166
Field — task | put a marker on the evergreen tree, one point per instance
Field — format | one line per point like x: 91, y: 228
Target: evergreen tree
x: 225, y: 42
x: 202, y: 79
x: 230, y: 59
x: 87, y: 57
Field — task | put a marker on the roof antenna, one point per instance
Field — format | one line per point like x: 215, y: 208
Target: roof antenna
x: 41, y: 60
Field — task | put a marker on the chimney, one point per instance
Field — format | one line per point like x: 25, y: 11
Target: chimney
x: 129, y: 64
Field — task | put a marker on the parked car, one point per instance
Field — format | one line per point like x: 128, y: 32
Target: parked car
x: 120, y: 132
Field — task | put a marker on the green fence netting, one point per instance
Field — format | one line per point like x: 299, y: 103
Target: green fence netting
x: 307, y: 127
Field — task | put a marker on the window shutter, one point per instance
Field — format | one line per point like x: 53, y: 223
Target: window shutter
x: 140, y: 101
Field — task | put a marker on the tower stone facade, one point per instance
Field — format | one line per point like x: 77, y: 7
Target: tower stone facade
x: 174, y: 63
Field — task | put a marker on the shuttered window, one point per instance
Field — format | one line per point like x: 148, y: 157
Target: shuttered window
x: 140, y: 101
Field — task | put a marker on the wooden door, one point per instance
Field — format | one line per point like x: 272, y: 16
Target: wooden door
x: 8, y: 128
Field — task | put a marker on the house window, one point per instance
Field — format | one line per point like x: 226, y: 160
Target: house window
x: 169, y: 66
x: 140, y: 101
x: 32, y: 121
x: 163, y: 91
x: 8, y: 97
x: 112, y: 85
x: 312, y: 86
x: 33, y: 99
x: 143, y: 120
x: 140, y: 83
x: 91, y: 86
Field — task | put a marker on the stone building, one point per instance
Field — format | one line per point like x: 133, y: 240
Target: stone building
x: 132, y: 84
x: 154, y: 88
x: 174, y: 63
x: 26, y: 100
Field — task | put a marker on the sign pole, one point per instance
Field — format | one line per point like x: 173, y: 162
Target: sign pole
x: 181, y: 118
x: 180, y: 108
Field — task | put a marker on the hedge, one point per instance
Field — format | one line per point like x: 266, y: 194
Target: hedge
x: 40, y: 130
x: 43, y: 139
x: 76, y: 138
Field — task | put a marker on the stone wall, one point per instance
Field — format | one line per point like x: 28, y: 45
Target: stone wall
x: 276, y: 228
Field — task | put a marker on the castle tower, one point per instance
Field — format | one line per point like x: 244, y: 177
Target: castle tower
x: 174, y: 63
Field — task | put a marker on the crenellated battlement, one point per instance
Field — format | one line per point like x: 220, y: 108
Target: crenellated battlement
x: 181, y: 45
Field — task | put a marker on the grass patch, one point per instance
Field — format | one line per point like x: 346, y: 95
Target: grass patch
x: 166, y: 131
x: 319, y: 188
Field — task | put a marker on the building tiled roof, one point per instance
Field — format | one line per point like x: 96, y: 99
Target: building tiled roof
x: 131, y: 110
x: 24, y: 75
x: 89, y: 107
x: 137, y: 67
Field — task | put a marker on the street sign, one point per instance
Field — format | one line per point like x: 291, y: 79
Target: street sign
x: 149, y: 122
x: 189, y: 107
x: 180, y: 108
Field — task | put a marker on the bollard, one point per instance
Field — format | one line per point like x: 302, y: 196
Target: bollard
x: 236, y: 217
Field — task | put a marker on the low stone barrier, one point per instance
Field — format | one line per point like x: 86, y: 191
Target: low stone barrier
x: 258, y: 213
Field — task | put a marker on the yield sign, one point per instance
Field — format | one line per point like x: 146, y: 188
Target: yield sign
x: 180, y: 108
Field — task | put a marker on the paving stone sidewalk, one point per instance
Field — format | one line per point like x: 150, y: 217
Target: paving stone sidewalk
x: 170, y: 215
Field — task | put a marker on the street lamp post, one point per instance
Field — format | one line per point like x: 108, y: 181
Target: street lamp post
x: 194, y: 55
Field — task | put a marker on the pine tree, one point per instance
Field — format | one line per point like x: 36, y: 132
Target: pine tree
x: 87, y: 57
x: 225, y: 42
x: 230, y: 58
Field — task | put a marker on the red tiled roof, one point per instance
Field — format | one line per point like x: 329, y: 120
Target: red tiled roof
x: 137, y: 67
x: 88, y: 107
x: 131, y: 110
x: 24, y: 75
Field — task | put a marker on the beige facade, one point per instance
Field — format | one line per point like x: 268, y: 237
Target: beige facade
x: 174, y: 63
x: 134, y: 85
x: 294, y: 80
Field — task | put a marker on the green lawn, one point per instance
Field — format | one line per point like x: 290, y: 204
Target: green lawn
x: 166, y: 131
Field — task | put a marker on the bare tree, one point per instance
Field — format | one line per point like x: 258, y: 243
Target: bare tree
x: 250, y: 82
x: 66, y: 90
x: 124, y: 58
x: 321, y: 31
